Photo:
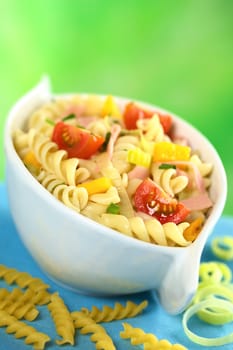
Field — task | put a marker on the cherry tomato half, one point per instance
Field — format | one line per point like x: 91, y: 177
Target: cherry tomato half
x: 76, y: 141
x: 152, y: 200
x: 133, y: 113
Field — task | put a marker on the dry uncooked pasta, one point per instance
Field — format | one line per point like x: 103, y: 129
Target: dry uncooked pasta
x: 62, y: 319
x: 66, y: 322
x: 70, y: 142
x: 138, y: 337
x: 19, y: 309
x: 118, y: 312
x: 99, y: 335
x: 23, y: 279
x: 21, y: 330
x: 28, y: 296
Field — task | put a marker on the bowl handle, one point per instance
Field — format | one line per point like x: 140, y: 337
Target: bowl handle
x: 181, y: 281
x: 37, y: 96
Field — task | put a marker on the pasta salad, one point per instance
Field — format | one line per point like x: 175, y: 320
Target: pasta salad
x: 119, y: 164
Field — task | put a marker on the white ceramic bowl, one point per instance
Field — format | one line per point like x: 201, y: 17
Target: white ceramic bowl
x: 85, y: 256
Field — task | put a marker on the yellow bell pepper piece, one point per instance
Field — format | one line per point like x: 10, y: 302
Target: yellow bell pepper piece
x: 168, y: 151
x: 30, y: 160
x: 100, y: 185
x: 110, y: 108
x: 138, y: 157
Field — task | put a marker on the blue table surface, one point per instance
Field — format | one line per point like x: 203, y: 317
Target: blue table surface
x: 153, y: 320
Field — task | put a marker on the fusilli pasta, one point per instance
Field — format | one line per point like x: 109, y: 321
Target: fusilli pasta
x: 37, y: 298
x: 56, y: 161
x: 119, y: 157
x: 15, y: 304
x: 19, y: 309
x: 62, y: 319
x: 152, y: 129
x: 118, y: 312
x: 147, y: 230
x: 137, y: 337
x: 21, y: 330
x: 22, y: 279
x: 169, y: 180
x: 73, y: 197
x: 99, y: 335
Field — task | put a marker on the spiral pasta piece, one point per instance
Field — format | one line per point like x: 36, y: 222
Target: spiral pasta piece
x: 21, y: 330
x: 100, y: 127
x: 152, y: 129
x: 132, y: 185
x: 118, y: 312
x: 22, y: 279
x: 116, y: 222
x: 169, y: 180
x: 147, y: 230
x: 73, y: 197
x: 13, y: 303
x: 204, y: 168
x: 110, y: 196
x: 49, y: 111
x: 120, y: 152
x: 100, y: 337
x: 138, y: 337
x: 41, y: 297
x: 112, y: 173
x: 94, y: 210
x: 91, y: 165
x: 55, y: 110
x: 20, y: 140
x: 175, y: 233
x: 19, y: 309
x: 55, y: 161
x: 62, y: 320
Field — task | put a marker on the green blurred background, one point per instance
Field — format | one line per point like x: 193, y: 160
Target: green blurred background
x: 176, y: 54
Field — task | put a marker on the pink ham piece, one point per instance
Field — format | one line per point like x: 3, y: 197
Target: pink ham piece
x: 84, y: 121
x: 115, y: 131
x: 138, y: 172
x: 200, y: 201
x: 76, y: 110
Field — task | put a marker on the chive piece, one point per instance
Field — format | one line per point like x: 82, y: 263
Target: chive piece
x: 167, y: 166
x: 68, y: 117
x: 113, y: 209
x: 135, y: 132
x: 49, y: 121
x: 105, y: 144
x: 80, y: 126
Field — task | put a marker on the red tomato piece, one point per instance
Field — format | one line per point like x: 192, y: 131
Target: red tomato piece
x: 166, y: 121
x: 177, y: 216
x: 133, y: 113
x: 76, y: 141
x: 152, y: 200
